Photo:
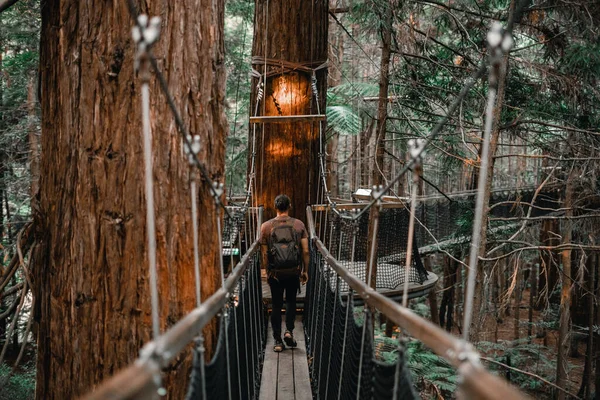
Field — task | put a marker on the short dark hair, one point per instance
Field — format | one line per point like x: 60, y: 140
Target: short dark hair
x: 282, y: 202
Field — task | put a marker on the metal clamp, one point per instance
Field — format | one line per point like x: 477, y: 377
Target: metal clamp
x: 191, y: 148
x: 145, y: 34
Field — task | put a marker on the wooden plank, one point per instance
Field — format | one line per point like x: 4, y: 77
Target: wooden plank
x: 285, y: 375
x: 268, y: 380
x: 279, y: 119
x: 301, y: 376
x: 285, y: 378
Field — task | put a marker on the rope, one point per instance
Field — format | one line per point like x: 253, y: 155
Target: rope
x: 500, y: 43
x: 354, y: 372
x: 413, y: 149
x: 284, y: 66
x: 145, y: 35
x: 139, y: 33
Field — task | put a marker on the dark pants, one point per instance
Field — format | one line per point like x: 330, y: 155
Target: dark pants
x: 290, y: 286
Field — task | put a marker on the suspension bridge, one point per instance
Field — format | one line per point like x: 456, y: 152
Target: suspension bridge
x: 337, y: 356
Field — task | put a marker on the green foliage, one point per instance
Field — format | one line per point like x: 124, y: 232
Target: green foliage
x: 21, y: 385
x: 582, y: 59
x: 427, y: 367
x: 343, y: 120
x: 523, y: 355
x: 238, y: 43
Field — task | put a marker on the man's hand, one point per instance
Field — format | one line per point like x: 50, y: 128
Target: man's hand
x: 304, y: 277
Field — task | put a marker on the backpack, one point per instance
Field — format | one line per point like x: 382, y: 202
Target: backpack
x: 284, y: 247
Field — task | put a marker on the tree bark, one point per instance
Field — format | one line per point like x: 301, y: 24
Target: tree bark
x: 596, y: 265
x: 565, y: 296
x: 377, y: 178
x: 585, y: 391
x: 287, y: 156
x: 336, y: 59
x: 92, y: 279
x: 447, y: 304
x: 548, y: 270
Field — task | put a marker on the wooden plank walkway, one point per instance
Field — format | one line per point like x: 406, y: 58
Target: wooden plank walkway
x: 285, y: 375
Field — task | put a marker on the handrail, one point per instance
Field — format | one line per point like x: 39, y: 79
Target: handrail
x: 460, y: 354
x: 137, y: 380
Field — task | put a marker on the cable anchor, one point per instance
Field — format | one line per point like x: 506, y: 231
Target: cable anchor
x: 191, y: 148
x: 144, y: 34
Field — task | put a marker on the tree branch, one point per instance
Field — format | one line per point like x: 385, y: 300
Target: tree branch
x: 531, y: 375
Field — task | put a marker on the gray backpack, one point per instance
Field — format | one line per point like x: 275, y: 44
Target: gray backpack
x: 284, y: 247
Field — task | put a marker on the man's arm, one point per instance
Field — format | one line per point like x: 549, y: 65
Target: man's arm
x: 305, y: 259
x: 263, y: 256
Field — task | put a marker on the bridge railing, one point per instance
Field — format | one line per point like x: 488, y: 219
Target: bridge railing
x: 138, y: 381
x: 476, y: 381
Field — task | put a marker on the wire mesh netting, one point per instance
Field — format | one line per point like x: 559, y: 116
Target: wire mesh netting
x: 341, y: 350
x: 234, y: 371
x: 450, y: 221
x: 347, y: 240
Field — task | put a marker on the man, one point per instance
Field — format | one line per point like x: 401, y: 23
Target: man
x: 285, y: 256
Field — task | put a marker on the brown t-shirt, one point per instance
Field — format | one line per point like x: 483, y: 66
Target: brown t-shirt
x: 265, y: 228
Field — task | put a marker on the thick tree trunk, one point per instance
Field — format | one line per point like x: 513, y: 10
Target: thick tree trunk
x: 597, y: 319
x: 548, y: 270
x: 287, y: 160
x: 93, y: 297
x: 565, y: 295
x: 336, y: 59
x: 382, y: 114
x: 585, y: 390
x: 447, y: 305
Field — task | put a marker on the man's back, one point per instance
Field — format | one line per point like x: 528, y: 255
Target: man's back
x: 267, y: 227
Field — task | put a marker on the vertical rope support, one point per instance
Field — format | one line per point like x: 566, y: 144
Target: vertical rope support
x: 499, y: 42
x: 327, y: 286
x: 218, y: 192
x: 200, y: 340
x: 145, y: 35
x: 251, y: 311
x: 244, y: 287
x: 150, y: 222
x: 195, y: 237
x: 237, y: 342
x: 362, y: 351
x: 337, y: 293
x: 373, y: 255
x: 397, y: 373
x: 415, y: 150
x: 349, y: 301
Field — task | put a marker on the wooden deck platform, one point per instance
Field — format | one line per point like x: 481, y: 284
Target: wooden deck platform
x: 285, y: 375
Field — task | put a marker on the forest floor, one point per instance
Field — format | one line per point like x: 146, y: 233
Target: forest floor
x: 535, y: 355
x: 21, y: 385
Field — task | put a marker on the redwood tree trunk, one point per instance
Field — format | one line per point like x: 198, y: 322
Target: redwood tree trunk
x: 93, y: 298
x: 287, y: 153
x: 565, y: 294
x: 382, y: 115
